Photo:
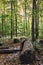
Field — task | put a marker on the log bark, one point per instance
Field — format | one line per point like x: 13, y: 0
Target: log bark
x: 8, y: 51
x: 27, y: 56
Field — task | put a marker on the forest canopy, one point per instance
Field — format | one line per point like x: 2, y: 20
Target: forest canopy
x: 16, y: 17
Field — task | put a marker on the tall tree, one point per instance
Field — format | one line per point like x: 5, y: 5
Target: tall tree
x: 33, y: 39
x: 35, y: 20
x: 3, y: 17
x: 11, y: 20
x: 15, y: 7
x: 16, y: 18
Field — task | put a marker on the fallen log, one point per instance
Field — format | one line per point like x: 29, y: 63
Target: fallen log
x: 27, y: 54
x: 9, y: 51
x: 4, y: 47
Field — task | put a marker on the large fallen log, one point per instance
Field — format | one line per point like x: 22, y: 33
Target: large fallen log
x: 26, y: 45
x: 27, y: 54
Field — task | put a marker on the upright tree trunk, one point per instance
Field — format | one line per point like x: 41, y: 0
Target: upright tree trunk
x: 25, y: 17
x: 15, y: 7
x: 35, y: 21
x: 33, y: 39
x: 3, y: 18
x: 11, y: 21
x: 2, y: 24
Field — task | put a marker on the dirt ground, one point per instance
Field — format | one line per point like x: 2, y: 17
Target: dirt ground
x: 13, y: 59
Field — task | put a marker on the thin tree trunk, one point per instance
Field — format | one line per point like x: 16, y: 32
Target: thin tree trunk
x: 35, y: 21
x: 16, y: 15
x: 11, y: 21
x: 2, y: 25
x: 33, y: 39
x: 25, y: 17
x: 3, y: 18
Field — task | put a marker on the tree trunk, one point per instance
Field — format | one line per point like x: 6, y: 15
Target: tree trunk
x: 16, y: 15
x: 35, y: 20
x: 11, y: 22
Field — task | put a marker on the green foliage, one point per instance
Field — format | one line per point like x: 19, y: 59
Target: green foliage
x: 19, y: 13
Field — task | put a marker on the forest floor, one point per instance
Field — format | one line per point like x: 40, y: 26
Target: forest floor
x: 13, y: 58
